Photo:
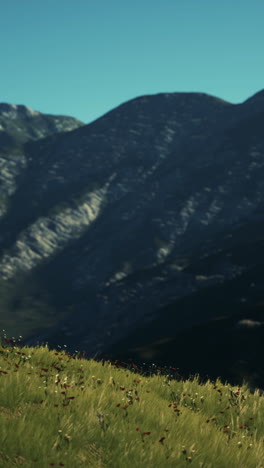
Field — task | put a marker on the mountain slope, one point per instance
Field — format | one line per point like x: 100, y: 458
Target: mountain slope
x: 19, y: 124
x: 113, y: 222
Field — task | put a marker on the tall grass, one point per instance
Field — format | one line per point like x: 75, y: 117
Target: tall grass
x: 58, y: 409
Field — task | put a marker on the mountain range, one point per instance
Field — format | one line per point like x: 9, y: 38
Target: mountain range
x: 139, y: 235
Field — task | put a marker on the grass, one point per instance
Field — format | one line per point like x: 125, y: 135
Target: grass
x: 58, y: 409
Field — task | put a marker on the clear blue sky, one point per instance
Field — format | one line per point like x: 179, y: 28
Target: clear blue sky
x: 85, y: 57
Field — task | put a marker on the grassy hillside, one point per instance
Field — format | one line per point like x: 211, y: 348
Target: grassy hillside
x: 58, y: 409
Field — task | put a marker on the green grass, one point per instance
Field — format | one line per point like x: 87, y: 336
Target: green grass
x: 58, y: 409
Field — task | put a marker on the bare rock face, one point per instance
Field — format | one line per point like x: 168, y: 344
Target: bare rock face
x: 154, y: 202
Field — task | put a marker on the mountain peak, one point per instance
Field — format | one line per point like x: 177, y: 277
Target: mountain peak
x: 13, y: 111
x: 181, y: 96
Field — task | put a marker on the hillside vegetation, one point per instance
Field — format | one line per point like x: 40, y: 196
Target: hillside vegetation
x: 58, y: 409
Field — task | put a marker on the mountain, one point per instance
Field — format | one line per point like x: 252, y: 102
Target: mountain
x: 141, y: 235
x: 19, y: 124
x: 23, y: 123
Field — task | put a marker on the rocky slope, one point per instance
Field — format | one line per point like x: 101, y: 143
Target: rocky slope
x: 19, y: 124
x: 154, y: 210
